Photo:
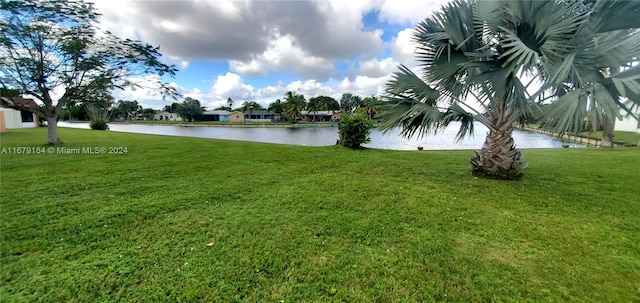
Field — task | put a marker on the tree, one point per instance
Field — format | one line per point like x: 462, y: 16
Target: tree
x: 276, y: 107
x: 190, y: 109
x: 250, y: 105
x: 370, y: 107
x: 50, y: 46
x: 354, y: 130
x: 495, y: 52
x: 294, y: 105
x: 230, y: 102
x: 126, y: 110
x: 171, y: 108
x: 148, y: 113
x: 349, y: 102
x: 314, y: 106
x: 328, y: 103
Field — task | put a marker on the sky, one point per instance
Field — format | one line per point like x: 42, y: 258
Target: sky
x: 258, y: 50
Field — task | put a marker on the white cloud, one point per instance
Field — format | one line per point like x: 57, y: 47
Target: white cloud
x: 147, y: 94
x: 363, y: 85
x: 403, y: 49
x: 236, y: 30
x: 408, y: 11
x: 232, y: 86
x: 284, y: 54
x: 251, y: 68
x: 377, y: 68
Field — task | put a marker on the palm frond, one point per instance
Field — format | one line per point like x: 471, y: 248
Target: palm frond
x: 466, y: 119
x: 610, y: 15
x: 411, y: 116
x: 407, y: 83
x: 566, y: 115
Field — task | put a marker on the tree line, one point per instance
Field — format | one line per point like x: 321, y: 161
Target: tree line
x: 191, y: 109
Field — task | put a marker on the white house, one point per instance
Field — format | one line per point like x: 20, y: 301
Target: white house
x: 629, y: 123
x: 166, y: 116
x: 14, y: 113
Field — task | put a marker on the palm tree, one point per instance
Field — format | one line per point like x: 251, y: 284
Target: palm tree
x: 276, y: 107
x: 314, y: 106
x: 294, y: 105
x: 250, y: 105
x: 370, y: 107
x: 496, y: 51
x: 230, y: 102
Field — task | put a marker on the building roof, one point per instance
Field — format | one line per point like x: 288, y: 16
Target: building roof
x: 20, y: 103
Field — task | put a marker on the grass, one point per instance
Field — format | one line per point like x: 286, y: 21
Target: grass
x: 628, y: 137
x: 188, y: 219
x: 621, y: 136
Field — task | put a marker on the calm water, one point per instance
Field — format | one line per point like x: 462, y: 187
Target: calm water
x: 324, y: 136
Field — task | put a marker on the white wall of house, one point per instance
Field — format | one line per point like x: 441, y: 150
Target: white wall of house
x: 167, y: 116
x: 13, y: 119
x: 628, y: 123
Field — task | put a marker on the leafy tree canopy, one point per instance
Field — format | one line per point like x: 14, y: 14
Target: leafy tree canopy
x: 48, y: 46
x: 190, y: 109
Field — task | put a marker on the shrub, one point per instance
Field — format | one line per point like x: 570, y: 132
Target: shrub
x: 354, y: 130
x: 98, y: 124
x: 99, y: 116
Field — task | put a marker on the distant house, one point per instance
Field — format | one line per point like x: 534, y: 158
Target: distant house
x: 216, y: 115
x: 17, y: 112
x: 166, y: 116
x: 628, y: 123
x: 261, y: 116
x: 321, y: 116
x: 236, y: 116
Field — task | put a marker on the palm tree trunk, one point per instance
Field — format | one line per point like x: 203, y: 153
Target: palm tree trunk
x: 607, y: 132
x: 499, y: 157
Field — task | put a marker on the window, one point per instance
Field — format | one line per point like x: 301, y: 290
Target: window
x: 26, y: 116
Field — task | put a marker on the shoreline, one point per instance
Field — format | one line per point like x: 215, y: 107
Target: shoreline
x: 265, y: 125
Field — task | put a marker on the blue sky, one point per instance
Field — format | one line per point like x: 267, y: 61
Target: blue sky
x: 258, y: 50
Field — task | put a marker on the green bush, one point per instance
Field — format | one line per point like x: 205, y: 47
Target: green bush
x: 355, y: 130
x: 98, y: 124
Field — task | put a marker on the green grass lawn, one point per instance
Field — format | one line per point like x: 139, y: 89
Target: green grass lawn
x: 629, y: 137
x: 621, y: 136
x: 200, y: 220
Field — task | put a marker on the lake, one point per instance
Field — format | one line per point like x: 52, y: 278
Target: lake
x: 325, y: 136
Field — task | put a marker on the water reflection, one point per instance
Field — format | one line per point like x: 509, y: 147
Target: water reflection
x: 324, y: 136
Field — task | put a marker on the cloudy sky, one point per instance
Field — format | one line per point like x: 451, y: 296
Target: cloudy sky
x: 258, y: 50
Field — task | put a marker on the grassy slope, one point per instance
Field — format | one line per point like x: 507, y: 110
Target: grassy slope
x: 312, y: 224
x: 629, y: 137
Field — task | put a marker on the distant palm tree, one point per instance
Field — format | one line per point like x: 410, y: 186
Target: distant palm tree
x: 250, y: 105
x: 314, y: 106
x: 230, y: 102
x: 370, y: 107
x: 495, y: 51
x: 294, y: 105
